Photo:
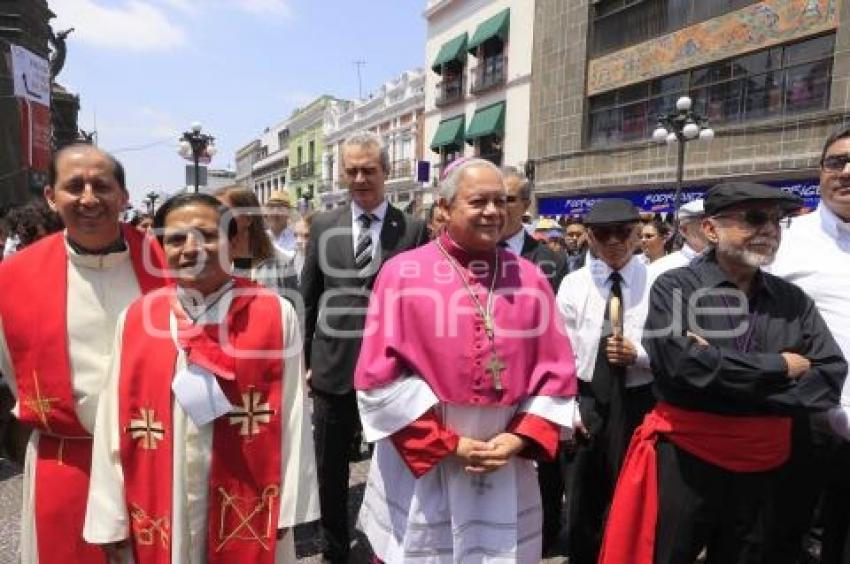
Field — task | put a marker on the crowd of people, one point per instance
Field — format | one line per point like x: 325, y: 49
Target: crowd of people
x: 196, y: 382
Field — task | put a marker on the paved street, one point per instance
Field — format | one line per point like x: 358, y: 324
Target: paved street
x: 307, y: 547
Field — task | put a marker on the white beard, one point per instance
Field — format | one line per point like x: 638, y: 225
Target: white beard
x: 749, y: 258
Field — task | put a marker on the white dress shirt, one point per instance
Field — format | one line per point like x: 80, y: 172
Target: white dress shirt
x: 582, y: 299
x: 815, y: 255
x: 374, y: 228
x: 285, y: 241
x: 515, y: 242
x: 680, y: 258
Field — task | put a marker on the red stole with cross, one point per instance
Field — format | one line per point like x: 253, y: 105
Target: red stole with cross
x: 35, y: 321
x: 245, y: 480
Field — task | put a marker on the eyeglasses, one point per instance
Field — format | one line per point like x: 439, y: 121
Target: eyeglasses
x: 605, y: 232
x: 835, y: 163
x: 365, y: 171
x: 758, y: 218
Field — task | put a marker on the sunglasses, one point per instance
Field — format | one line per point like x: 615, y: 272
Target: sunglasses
x: 835, y: 163
x: 758, y: 218
x: 604, y: 232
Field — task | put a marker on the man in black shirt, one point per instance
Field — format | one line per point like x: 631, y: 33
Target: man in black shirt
x: 735, y: 352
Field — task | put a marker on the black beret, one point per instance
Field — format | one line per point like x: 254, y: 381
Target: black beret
x: 615, y: 210
x: 728, y: 194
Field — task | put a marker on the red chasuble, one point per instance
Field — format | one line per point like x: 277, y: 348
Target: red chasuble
x: 737, y: 444
x: 34, y: 307
x: 245, y: 481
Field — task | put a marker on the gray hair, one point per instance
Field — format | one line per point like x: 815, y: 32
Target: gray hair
x: 449, y: 186
x: 524, y: 184
x: 365, y: 138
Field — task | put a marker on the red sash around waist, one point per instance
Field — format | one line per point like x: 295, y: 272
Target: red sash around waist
x: 737, y: 444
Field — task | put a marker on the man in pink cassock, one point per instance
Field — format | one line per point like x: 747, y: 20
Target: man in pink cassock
x: 463, y: 380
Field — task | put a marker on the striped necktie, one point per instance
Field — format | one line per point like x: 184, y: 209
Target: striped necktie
x: 363, y: 252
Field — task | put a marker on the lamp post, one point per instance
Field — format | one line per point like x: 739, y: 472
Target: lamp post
x: 150, y: 200
x: 679, y: 127
x: 194, y: 145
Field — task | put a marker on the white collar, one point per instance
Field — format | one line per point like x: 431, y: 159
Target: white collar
x: 600, y: 271
x: 207, y: 307
x: 831, y: 223
x: 379, y: 212
x: 516, y: 241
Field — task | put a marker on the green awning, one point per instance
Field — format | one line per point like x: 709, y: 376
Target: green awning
x: 487, y: 121
x: 454, y: 50
x: 497, y: 26
x: 450, y: 132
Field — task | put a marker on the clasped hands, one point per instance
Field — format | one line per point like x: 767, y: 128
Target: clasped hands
x: 482, y: 457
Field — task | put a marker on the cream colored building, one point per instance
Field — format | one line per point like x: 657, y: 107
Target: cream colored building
x: 478, y: 84
x: 395, y: 112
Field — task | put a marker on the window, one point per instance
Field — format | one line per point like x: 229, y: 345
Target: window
x: 311, y: 152
x: 300, y: 155
x: 620, y: 23
x: 490, y: 148
x: 779, y: 81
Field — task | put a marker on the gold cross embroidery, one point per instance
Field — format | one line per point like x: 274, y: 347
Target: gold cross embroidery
x: 251, y: 413
x: 39, y: 404
x: 147, y: 428
x: 495, y: 367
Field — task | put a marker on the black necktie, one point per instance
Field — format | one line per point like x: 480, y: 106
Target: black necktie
x: 363, y: 251
x: 606, y: 376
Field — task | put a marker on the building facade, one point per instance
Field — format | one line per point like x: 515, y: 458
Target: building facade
x: 246, y: 156
x: 396, y: 113
x: 478, y: 87
x: 772, y: 77
x: 306, y: 149
x: 271, y: 167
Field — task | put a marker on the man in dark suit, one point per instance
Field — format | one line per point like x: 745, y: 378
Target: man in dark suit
x: 554, y: 266
x: 517, y: 239
x: 344, y: 253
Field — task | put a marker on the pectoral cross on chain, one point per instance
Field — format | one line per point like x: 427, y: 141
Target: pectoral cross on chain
x: 495, y: 367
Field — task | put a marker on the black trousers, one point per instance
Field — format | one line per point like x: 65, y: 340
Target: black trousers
x: 704, y: 506
x: 594, y: 468
x: 335, y: 422
x: 550, y: 477
x: 835, y: 509
x: 800, y: 483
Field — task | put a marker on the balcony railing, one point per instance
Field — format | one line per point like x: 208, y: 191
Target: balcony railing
x: 306, y: 170
x: 401, y: 169
x: 449, y: 91
x: 490, y: 73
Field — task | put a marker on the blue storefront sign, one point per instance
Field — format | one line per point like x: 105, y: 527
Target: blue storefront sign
x: 663, y: 201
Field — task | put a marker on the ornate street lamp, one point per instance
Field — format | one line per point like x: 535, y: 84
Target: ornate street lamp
x: 195, y: 146
x: 679, y: 127
x: 150, y: 200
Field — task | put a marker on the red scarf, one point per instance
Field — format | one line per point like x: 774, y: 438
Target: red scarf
x: 245, y: 481
x: 737, y: 444
x: 35, y: 318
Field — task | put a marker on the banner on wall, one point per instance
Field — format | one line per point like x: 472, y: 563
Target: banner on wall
x: 663, y: 201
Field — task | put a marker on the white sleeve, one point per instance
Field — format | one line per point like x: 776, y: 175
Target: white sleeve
x: 299, y: 501
x: 386, y: 410
x: 107, y: 520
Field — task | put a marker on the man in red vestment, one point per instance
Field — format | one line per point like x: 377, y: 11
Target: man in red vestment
x: 202, y: 447
x: 464, y: 378
x: 60, y: 301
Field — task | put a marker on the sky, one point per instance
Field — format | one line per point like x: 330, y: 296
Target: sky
x: 146, y: 69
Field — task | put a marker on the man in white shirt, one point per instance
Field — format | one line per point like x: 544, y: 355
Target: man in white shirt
x: 615, y: 381
x: 690, y: 219
x: 278, y: 210
x: 815, y: 255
